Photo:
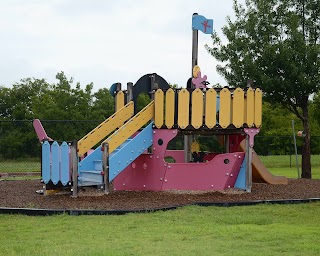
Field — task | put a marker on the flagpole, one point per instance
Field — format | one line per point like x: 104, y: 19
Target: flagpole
x: 194, y: 49
x: 188, y: 138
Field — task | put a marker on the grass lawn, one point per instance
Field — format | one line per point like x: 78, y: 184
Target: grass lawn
x: 284, y: 161
x: 280, y: 165
x: 293, y: 173
x: 20, y: 166
x: 193, y: 230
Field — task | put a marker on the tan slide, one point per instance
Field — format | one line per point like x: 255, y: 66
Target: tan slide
x: 260, y: 173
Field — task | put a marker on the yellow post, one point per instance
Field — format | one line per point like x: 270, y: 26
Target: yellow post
x: 158, y: 104
x: 119, y: 100
x: 211, y: 108
x: 258, y: 108
x: 170, y: 99
x: 250, y: 107
x: 225, y: 108
x: 183, y: 108
x: 197, y: 108
x: 238, y: 108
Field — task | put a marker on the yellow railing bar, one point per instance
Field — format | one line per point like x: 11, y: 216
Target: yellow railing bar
x: 250, y: 108
x: 225, y: 108
x: 105, y: 128
x: 238, y: 108
x: 129, y: 128
x: 119, y: 100
x: 211, y: 108
x: 170, y: 108
x: 159, y: 108
x: 197, y: 108
x: 258, y: 108
x: 183, y: 108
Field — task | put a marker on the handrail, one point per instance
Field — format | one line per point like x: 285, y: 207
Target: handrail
x: 105, y: 128
x: 129, y: 128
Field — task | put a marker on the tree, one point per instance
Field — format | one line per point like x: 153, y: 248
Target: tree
x: 17, y: 137
x: 103, y: 104
x: 142, y: 101
x: 63, y: 103
x: 277, y: 44
x: 315, y: 114
x: 57, y: 104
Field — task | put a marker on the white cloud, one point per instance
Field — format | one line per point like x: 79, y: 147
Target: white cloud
x: 104, y: 41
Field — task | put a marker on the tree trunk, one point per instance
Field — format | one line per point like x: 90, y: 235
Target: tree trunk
x: 306, y: 151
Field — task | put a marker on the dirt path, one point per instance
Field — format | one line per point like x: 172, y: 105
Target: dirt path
x: 21, y: 194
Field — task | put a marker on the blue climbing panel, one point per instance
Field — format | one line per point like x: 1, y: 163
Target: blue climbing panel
x: 46, y: 162
x: 55, y: 148
x: 65, y: 164
x: 55, y: 163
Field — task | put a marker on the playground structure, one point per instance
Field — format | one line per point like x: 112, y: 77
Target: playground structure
x: 128, y: 151
x: 132, y: 146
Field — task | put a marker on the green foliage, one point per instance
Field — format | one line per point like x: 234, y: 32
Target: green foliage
x: 102, y: 105
x: 276, y: 130
x: 173, y: 86
x: 55, y: 103
x: 210, y: 144
x: 192, y: 230
x: 142, y: 101
x: 277, y: 120
x: 34, y: 98
x: 314, y: 111
x: 277, y: 44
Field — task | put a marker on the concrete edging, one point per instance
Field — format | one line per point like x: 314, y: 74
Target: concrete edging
x: 76, y: 212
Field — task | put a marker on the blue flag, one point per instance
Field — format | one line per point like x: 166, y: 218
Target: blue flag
x: 199, y: 22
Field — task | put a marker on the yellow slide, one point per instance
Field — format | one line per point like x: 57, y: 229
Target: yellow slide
x: 260, y: 173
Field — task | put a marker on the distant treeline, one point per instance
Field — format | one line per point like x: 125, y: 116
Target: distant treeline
x: 69, y: 112
x: 66, y: 110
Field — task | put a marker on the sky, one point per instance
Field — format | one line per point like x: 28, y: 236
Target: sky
x: 104, y: 41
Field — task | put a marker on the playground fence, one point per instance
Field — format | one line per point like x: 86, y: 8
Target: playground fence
x: 20, y: 150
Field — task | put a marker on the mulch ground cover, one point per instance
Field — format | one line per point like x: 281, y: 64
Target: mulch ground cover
x: 22, y: 194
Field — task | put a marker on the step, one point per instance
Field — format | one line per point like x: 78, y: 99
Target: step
x: 90, y: 178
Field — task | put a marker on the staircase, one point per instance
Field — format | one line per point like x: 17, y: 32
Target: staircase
x: 124, y: 148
